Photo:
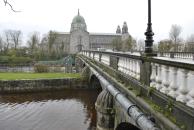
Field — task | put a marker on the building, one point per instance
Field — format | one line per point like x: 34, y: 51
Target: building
x: 79, y: 38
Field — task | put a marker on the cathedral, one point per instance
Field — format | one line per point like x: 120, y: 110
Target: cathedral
x: 80, y: 39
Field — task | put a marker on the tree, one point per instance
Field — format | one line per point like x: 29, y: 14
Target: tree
x: 165, y: 45
x: 129, y: 44
x: 7, y: 40
x: 1, y: 44
x: 33, y: 42
x: 51, y: 40
x: 7, y: 3
x: 140, y: 45
x: 190, y: 39
x: 46, y: 48
x: 189, y: 46
x: 61, y: 49
x: 174, y: 34
x: 15, y: 37
x: 117, y: 44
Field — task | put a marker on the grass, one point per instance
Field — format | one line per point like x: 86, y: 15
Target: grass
x: 17, y: 76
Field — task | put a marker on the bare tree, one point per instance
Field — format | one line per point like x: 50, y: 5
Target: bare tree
x: 15, y: 37
x: 189, y: 45
x: 47, y: 43
x: 1, y: 44
x: 174, y: 34
x: 33, y: 41
x: 141, y: 45
x: 190, y: 39
x: 7, y: 42
x: 129, y: 44
x: 165, y: 45
x: 52, y: 36
x: 7, y: 3
x: 117, y: 44
x: 42, y: 49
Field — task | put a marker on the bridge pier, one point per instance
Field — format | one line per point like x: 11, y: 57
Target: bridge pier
x: 79, y: 65
x: 105, y: 111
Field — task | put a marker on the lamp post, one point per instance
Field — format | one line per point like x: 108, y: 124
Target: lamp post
x: 149, y: 34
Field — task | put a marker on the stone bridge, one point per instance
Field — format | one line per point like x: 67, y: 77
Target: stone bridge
x: 139, y: 92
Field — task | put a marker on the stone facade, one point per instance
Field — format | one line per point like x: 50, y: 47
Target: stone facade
x: 79, y: 38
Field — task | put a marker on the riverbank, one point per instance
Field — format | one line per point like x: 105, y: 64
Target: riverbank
x: 36, y: 82
x: 19, y: 76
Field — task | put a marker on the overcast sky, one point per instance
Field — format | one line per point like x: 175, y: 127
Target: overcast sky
x: 101, y: 16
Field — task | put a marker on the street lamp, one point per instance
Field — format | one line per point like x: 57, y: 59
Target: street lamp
x: 149, y: 34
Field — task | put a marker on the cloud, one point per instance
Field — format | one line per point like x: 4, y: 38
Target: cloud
x: 100, y: 15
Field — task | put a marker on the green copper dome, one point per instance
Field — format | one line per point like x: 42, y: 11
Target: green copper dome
x: 78, y: 19
x: 78, y: 23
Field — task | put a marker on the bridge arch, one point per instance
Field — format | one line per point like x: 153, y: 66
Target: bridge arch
x: 105, y: 111
x: 94, y: 82
x: 83, y: 65
x: 126, y: 126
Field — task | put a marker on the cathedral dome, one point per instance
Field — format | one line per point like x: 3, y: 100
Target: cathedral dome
x: 78, y: 23
x: 78, y: 19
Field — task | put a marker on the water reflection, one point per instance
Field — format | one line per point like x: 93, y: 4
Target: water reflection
x: 65, y: 110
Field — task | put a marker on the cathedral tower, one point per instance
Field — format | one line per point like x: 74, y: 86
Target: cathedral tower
x: 118, y: 30
x: 79, y: 37
x: 125, y: 33
x: 125, y: 28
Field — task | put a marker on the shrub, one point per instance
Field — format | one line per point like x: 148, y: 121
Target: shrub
x: 39, y: 68
x: 4, y: 59
x: 14, y: 60
x: 20, y: 59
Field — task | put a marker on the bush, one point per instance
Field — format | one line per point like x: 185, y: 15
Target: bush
x: 41, y: 68
x: 4, y: 59
x: 20, y: 59
x: 14, y: 60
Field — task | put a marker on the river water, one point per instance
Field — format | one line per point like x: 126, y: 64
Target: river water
x: 64, y: 110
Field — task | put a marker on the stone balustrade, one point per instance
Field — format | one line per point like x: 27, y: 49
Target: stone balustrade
x: 129, y: 66
x: 96, y: 56
x: 174, y: 79
x: 170, y: 77
x: 180, y: 55
x: 105, y: 59
x: 126, y: 65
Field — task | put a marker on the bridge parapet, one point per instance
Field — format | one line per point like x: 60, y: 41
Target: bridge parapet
x: 169, y: 76
x: 180, y: 55
x: 172, y: 54
x: 172, y: 78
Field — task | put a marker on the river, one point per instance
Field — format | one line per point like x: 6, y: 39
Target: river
x: 62, y: 110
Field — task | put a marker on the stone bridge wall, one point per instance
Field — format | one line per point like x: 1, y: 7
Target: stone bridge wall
x: 42, y: 85
x: 179, y: 116
x: 110, y: 114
